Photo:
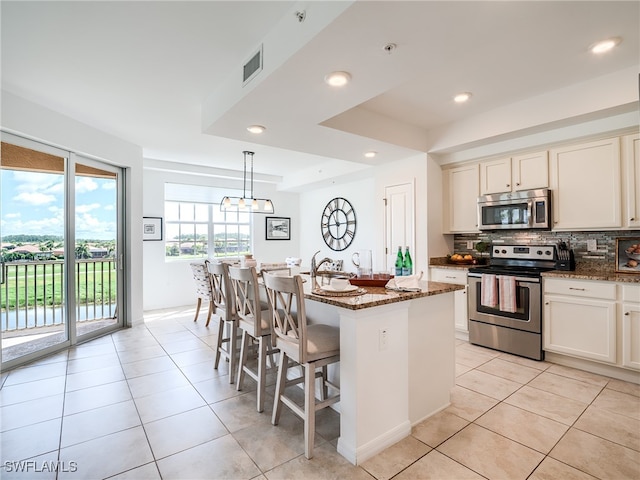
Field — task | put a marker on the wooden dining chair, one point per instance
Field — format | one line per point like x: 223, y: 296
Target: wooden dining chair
x: 227, y: 346
x: 311, y: 346
x: 255, y: 324
x: 204, y: 287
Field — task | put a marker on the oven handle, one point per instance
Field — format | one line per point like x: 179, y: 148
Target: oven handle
x: 518, y: 279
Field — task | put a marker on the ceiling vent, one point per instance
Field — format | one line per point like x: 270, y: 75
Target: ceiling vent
x: 253, y: 67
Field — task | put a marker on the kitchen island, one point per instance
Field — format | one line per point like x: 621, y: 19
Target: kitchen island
x: 397, y: 361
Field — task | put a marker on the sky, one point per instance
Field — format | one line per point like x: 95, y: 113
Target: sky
x: 33, y: 203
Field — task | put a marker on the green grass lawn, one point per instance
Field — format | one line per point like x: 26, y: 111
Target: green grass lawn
x: 42, y: 284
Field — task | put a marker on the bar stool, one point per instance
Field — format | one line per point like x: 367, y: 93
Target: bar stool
x: 311, y: 346
x: 204, y: 287
x: 227, y: 318
x: 255, y: 324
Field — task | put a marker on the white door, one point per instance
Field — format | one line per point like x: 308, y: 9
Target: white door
x: 399, y: 222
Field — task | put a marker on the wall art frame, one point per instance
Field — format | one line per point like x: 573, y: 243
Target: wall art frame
x: 628, y: 255
x: 277, y: 228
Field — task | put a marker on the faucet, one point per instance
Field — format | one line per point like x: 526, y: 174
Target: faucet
x: 315, y: 266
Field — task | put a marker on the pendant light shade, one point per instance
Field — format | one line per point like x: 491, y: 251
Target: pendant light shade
x: 246, y: 203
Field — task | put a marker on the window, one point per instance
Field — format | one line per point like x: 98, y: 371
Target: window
x: 198, y: 229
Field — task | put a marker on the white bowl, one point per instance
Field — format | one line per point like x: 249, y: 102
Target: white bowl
x: 340, y: 283
x: 634, y: 256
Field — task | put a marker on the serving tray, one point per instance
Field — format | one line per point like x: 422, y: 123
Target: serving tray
x: 369, y: 281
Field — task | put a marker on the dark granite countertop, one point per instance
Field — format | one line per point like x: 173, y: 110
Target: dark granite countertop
x: 585, y: 270
x: 376, y: 296
x: 594, y: 271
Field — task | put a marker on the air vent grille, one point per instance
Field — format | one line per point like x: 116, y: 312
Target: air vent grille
x: 252, y: 67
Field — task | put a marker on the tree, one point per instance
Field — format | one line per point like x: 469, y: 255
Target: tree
x: 82, y: 250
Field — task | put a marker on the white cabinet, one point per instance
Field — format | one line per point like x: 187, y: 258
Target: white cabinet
x: 585, y: 180
x: 459, y: 277
x: 631, y: 180
x: 630, y: 326
x: 522, y: 172
x: 461, y: 190
x: 580, y: 319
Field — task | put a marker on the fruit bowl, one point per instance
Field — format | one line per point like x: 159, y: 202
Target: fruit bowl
x: 461, y: 260
x: 633, y: 252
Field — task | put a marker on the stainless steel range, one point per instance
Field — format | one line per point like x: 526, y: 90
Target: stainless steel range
x: 505, y: 299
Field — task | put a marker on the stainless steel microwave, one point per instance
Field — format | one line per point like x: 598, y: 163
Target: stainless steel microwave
x: 528, y: 209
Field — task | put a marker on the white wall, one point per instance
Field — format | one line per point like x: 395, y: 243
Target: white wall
x: 36, y: 122
x: 170, y: 283
x: 361, y: 196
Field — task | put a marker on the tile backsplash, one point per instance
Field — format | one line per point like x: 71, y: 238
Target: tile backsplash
x: 605, y: 241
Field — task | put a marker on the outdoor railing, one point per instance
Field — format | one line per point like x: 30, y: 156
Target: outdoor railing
x: 33, y: 293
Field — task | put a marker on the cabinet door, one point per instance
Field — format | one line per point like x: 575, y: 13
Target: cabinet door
x: 631, y: 156
x: 630, y: 335
x: 585, y: 180
x: 495, y: 176
x: 461, y: 199
x: 461, y: 317
x: 580, y: 327
x: 530, y: 171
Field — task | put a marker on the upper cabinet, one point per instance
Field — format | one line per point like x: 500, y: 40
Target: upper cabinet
x: 585, y: 179
x: 461, y: 190
x: 631, y: 180
x: 522, y: 172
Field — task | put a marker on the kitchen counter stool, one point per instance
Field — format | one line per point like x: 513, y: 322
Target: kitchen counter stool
x: 311, y: 346
x: 227, y: 318
x: 255, y: 324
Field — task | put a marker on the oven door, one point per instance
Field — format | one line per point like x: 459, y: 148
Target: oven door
x: 527, y: 316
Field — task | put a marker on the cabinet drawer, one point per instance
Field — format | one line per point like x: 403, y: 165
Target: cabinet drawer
x: 580, y: 288
x: 631, y: 293
x: 449, y: 275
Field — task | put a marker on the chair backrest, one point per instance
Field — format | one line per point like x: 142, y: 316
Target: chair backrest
x: 220, y: 281
x: 202, y: 277
x: 288, y: 317
x: 245, y: 295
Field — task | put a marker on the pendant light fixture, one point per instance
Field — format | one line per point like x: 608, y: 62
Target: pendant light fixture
x: 246, y: 203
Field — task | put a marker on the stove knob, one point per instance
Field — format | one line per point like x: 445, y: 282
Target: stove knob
x: 496, y: 251
x: 539, y: 252
x: 547, y: 253
x: 504, y: 252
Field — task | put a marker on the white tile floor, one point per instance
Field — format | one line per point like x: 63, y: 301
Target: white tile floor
x: 145, y: 403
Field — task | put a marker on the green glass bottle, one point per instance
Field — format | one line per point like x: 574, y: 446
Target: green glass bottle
x: 399, y: 262
x: 407, y: 265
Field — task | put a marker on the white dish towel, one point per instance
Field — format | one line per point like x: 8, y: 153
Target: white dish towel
x: 507, y: 288
x: 409, y: 283
x: 489, y: 290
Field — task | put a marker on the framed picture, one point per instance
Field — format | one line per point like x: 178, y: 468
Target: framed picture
x: 278, y: 228
x: 628, y: 255
x: 151, y: 228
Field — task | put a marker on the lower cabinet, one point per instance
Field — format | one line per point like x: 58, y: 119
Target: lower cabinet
x: 459, y: 277
x: 592, y: 320
x: 631, y: 326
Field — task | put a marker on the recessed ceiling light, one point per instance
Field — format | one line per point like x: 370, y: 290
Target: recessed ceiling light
x: 257, y: 129
x: 462, y: 97
x: 370, y: 154
x: 605, y: 45
x: 337, y: 79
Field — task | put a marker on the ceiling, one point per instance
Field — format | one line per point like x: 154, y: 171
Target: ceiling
x: 168, y: 75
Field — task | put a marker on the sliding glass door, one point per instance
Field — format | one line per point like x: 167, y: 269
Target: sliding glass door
x: 96, y: 252
x: 59, y: 236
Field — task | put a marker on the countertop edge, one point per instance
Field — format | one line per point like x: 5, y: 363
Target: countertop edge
x: 429, y: 289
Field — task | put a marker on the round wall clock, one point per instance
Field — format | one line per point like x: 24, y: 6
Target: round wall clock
x: 338, y: 224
